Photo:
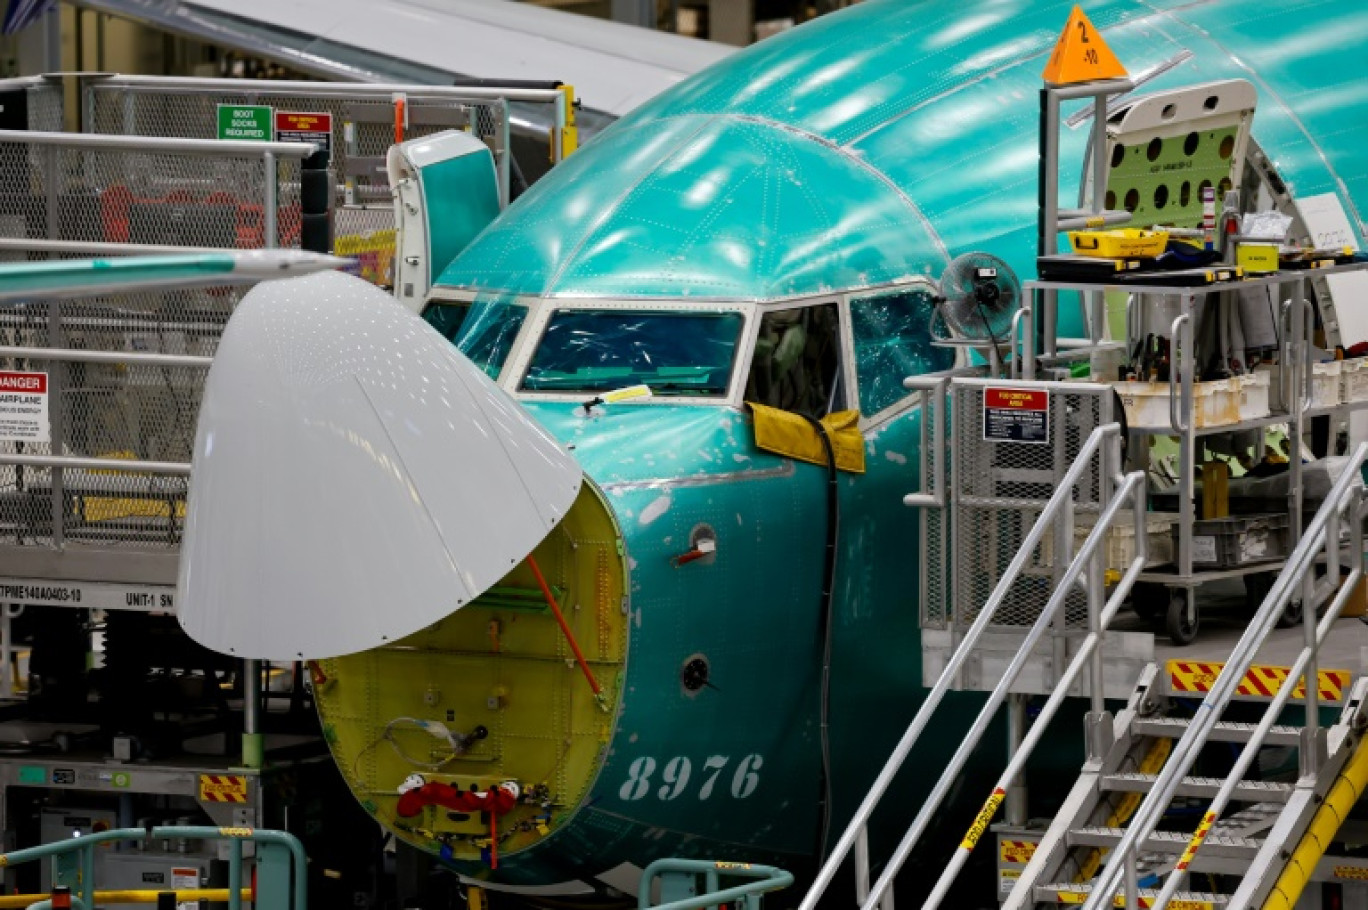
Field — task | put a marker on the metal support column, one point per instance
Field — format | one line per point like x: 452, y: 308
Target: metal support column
x: 1015, y: 807
x: 253, y: 750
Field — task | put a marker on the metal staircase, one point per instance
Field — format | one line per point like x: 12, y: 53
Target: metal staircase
x: 1241, y: 853
x: 1115, y: 841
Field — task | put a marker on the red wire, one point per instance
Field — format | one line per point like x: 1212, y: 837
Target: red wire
x: 560, y: 618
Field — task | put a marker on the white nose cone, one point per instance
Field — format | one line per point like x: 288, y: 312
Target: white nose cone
x: 355, y: 478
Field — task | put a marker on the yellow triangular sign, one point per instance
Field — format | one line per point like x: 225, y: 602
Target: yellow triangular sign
x: 1081, y: 55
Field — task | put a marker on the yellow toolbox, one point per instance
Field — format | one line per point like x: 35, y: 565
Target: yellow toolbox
x: 1123, y: 243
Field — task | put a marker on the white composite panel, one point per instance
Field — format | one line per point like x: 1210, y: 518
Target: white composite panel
x: 613, y: 67
x: 355, y: 479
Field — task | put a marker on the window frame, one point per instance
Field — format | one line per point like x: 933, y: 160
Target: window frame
x: 454, y: 295
x: 520, y: 361
x: 910, y: 398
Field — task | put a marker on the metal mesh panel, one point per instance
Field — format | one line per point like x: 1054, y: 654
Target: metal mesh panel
x: 110, y: 411
x: 128, y: 196
x: 935, y: 531
x: 45, y: 108
x: 1000, y: 490
x: 363, y: 131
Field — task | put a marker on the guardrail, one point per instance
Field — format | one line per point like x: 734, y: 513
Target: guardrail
x: 200, y: 192
x: 1101, y: 444
x: 280, y: 883
x: 1344, y: 505
x: 764, y: 880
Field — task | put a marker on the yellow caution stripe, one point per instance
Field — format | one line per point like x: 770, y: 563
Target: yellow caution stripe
x: 983, y: 819
x: 1259, y: 682
x: 1344, y: 793
x: 183, y: 895
x: 1016, y: 851
x: 1198, y: 837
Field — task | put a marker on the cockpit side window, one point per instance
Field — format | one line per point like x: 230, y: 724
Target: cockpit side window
x: 483, y: 330
x: 892, y: 342
x: 797, y: 363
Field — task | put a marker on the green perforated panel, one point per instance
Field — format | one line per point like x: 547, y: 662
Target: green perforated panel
x: 1160, y: 180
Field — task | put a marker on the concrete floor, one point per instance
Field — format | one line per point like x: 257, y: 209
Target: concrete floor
x: 1224, y: 616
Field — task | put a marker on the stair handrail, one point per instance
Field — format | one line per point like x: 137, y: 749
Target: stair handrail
x: 1133, y: 486
x: 1060, y: 501
x: 1323, y: 531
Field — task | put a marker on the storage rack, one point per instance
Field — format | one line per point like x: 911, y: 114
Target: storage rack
x: 1296, y: 360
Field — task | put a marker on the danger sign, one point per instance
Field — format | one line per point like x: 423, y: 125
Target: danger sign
x: 24, y: 407
x: 1016, y: 415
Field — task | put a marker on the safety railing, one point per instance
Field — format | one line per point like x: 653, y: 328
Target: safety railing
x: 191, y: 192
x: 763, y: 879
x: 1344, y: 505
x: 1102, y: 444
x: 280, y: 881
x: 361, y: 120
x: 33, y: 102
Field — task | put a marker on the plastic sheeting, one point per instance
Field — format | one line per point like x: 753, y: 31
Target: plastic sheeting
x: 892, y: 342
x: 674, y: 353
x: 484, y: 330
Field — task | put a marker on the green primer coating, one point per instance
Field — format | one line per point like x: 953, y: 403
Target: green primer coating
x: 253, y: 750
x: 1173, y: 177
x: 462, y: 196
x: 73, y: 275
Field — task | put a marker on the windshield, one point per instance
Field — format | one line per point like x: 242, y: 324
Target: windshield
x: 483, y: 331
x: 675, y: 353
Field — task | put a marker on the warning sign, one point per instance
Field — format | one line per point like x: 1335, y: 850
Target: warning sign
x: 295, y: 126
x: 187, y: 879
x: 24, y: 407
x: 1081, y: 55
x: 1016, y: 415
x: 1016, y: 851
x: 222, y: 788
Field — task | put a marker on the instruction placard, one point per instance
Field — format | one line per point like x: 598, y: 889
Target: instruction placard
x: 244, y: 122
x: 1016, y: 415
x: 298, y: 126
x: 24, y: 407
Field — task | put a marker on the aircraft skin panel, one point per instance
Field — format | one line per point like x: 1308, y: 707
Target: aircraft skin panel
x: 956, y: 134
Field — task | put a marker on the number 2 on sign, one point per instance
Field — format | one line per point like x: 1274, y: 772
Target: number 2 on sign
x: 677, y: 773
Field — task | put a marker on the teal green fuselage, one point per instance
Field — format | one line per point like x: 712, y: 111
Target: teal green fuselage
x: 862, y: 150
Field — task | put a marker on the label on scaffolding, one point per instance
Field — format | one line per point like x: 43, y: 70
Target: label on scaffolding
x: 1007, y: 879
x: 24, y: 407
x: 303, y: 126
x: 244, y: 122
x: 87, y: 595
x: 1016, y: 415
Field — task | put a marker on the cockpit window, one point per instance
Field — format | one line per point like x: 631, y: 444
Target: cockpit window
x: 675, y: 353
x: 797, y: 363
x: 892, y: 342
x: 483, y: 330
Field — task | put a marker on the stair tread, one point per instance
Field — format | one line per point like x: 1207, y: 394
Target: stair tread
x: 1202, y: 786
x: 1225, y: 731
x: 1165, y: 839
x: 1087, y: 888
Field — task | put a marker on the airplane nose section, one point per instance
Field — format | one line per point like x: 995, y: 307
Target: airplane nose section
x: 355, y: 479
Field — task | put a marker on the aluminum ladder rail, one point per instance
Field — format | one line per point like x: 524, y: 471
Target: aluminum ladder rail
x: 1102, y: 443
x: 1296, y: 576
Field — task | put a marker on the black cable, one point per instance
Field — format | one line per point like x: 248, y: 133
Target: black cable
x: 828, y: 623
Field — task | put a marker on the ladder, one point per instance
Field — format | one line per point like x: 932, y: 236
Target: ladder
x: 1107, y: 845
